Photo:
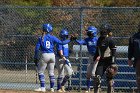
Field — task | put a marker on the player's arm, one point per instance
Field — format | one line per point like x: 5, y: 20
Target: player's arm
x: 97, y: 54
x: 81, y: 42
x: 130, y: 48
x: 56, y: 40
x: 60, y: 51
x: 37, y: 47
x: 61, y: 55
x: 130, y: 51
x: 113, y: 48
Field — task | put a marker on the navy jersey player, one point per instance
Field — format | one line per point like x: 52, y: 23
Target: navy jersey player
x: 45, y: 44
x: 105, y: 54
x: 91, y: 42
x: 63, y: 62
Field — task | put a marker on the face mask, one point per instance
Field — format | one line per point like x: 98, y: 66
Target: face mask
x: 89, y: 34
x: 103, y: 33
x: 63, y: 37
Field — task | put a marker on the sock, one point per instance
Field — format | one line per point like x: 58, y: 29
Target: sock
x: 42, y: 80
x: 52, y: 79
x: 59, y: 80
x: 88, y: 83
x: 65, y: 80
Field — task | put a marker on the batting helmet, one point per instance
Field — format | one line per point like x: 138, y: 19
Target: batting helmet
x: 111, y: 71
x: 64, y: 33
x: 47, y: 28
x: 92, y: 31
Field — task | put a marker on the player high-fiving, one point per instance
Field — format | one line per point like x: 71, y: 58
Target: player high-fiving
x: 91, y: 42
x: 63, y: 62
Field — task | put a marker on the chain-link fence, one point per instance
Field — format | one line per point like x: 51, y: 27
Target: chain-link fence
x: 21, y: 26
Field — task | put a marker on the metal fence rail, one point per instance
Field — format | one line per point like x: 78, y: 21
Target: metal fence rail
x: 20, y: 27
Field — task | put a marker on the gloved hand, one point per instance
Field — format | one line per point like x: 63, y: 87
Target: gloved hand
x: 73, y: 37
x: 112, y: 70
x: 36, y: 61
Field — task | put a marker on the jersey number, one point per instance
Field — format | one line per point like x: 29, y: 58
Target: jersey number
x: 47, y: 44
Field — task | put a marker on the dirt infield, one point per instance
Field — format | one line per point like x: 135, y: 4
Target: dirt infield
x: 27, y: 91
x: 21, y: 91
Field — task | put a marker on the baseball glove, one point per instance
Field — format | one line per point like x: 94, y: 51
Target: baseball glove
x: 111, y: 71
x: 36, y: 62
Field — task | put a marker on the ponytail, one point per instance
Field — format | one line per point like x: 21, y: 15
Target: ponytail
x: 43, y: 34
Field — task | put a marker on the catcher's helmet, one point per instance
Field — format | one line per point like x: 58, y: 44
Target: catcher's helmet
x: 91, y: 31
x: 105, y: 29
x: 47, y: 28
x: 64, y: 33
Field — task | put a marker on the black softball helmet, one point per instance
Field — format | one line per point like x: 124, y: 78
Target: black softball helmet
x: 105, y: 29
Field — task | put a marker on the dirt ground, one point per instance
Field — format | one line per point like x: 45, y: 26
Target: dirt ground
x: 27, y: 91
x: 21, y: 91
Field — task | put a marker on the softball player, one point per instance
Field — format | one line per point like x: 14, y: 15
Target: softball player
x: 63, y: 62
x: 46, y: 45
x: 91, y: 42
x: 105, y: 54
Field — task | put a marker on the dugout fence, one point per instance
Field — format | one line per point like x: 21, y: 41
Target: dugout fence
x: 21, y: 26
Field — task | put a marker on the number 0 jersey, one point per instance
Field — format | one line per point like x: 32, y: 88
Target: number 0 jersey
x: 64, y: 48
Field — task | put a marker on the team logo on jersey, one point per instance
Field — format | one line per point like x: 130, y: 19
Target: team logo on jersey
x: 91, y: 43
x: 65, y: 46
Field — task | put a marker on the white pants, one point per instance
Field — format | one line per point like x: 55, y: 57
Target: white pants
x: 61, y: 66
x: 47, y: 60
x: 91, y: 68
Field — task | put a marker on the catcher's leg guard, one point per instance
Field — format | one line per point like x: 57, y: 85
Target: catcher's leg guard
x: 110, y: 88
x: 97, y: 84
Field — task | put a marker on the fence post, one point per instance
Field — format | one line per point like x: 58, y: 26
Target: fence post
x: 26, y: 63
x: 80, y: 66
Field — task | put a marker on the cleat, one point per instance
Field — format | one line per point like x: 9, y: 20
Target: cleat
x: 63, y: 88
x: 52, y: 90
x: 60, y: 90
x: 87, y: 91
x: 40, y: 90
